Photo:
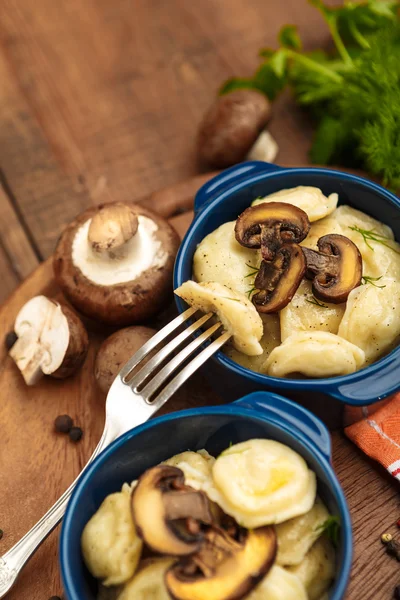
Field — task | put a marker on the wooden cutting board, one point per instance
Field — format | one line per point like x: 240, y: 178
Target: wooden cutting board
x: 37, y: 464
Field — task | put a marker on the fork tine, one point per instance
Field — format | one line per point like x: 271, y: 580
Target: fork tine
x: 187, y: 371
x: 174, y: 363
x: 155, y: 340
x: 145, y: 371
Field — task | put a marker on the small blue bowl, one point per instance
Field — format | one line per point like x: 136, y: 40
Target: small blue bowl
x: 222, y: 199
x: 259, y: 415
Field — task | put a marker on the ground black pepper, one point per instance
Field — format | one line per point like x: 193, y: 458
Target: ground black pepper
x: 75, y: 434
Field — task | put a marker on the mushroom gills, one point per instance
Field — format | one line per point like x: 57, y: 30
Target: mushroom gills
x: 279, y: 279
x: 271, y: 225
x: 335, y: 270
x: 225, y: 568
x: 169, y: 514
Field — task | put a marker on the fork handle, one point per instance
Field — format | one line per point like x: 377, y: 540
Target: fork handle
x: 13, y: 561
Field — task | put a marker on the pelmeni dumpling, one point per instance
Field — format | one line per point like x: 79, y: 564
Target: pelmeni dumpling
x: 317, y: 570
x: 279, y: 584
x: 110, y: 545
x: 310, y: 199
x: 195, y: 466
x: 296, y: 536
x: 219, y: 257
x: 315, y: 354
x: 372, y: 317
x: 261, y: 482
x: 128, y: 488
x: 304, y: 314
x: 271, y: 339
x: 378, y: 259
x: 148, y: 582
x: 320, y: 228
x: 237, y: 314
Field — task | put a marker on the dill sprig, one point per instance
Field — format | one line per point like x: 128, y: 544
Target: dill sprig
x: 315, y: 301
x: 368, y: 279
x: 331, y: 528
x: 250, y: 291
x: 370, y: 235
x: 254, y: 271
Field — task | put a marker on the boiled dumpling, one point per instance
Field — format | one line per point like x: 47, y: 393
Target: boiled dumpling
x: 372, y: 318
x: 279, y: 584
x: 110, y: 545
x: 317, y: 570
x: 378, y: 259
x: 148, y: 583
x: 316, y: 354
x: 271, y: 339
x: 219, y: 257
x: 237, y: 314
x: 319, y: 229
x: 310, y: 199
x: 195, y: 466
x: 304, y: 314
x: 296, y: 536
x: 261, y: 482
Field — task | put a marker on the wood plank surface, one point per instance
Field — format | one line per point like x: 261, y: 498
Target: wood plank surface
x: 101, y: 101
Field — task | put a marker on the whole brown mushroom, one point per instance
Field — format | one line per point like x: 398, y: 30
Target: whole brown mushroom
x: 233, y: 129
x: 116, y: 350
x: 114, y: 263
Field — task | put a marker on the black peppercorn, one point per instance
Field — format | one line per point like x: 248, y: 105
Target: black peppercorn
x: 393, y: 549
x: 1, y: 533
x: 10, y: 340
x: 75, y: 434
x: 63, y: 423
x: 396, y: 592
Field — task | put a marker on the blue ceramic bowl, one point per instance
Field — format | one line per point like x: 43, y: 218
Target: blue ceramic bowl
x: 259, y: 415
x: 222, y: 199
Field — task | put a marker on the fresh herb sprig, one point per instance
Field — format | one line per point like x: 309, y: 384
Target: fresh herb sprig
x: 331, y: 528
x: 353, y: 92
x: 365, y: 279
x: 370, y: 235
x: 316, y: 302
x: 250, y: 291
x: 253, y: 271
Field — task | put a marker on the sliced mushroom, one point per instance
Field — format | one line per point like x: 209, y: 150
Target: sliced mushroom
x: 335, y: 270
x: 279, y: 279
x: 232, y: 126
x: 225, y: 568
x: 51, y: 340
x: 114, y: 263
x: 271, y: 225
x: 167, y: 513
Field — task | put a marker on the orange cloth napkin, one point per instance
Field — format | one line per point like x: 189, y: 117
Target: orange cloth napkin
x: 376, y: 430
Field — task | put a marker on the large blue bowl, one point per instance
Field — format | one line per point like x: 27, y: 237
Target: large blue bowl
x: 222, y: 199
x: 259, y: 415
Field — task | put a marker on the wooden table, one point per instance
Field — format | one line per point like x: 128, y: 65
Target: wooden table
x: 101, y: 100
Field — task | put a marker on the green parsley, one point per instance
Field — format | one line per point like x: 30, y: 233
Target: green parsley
x: 352, y: 92
x: 368, y: 279
x: 331, y: 528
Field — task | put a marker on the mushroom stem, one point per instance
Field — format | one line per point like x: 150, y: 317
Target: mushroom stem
x: 265, y: 148
x: 29, y: 356
x: 111, y: 228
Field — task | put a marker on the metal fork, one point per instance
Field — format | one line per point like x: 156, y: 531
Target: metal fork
x: 133, y: 398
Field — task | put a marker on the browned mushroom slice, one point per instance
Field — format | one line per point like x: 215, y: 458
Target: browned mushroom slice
x: 167, y: 513
x: 335, y: 270
x: 224, y: 568
x: 279, y: 279
x: 268, y: 226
